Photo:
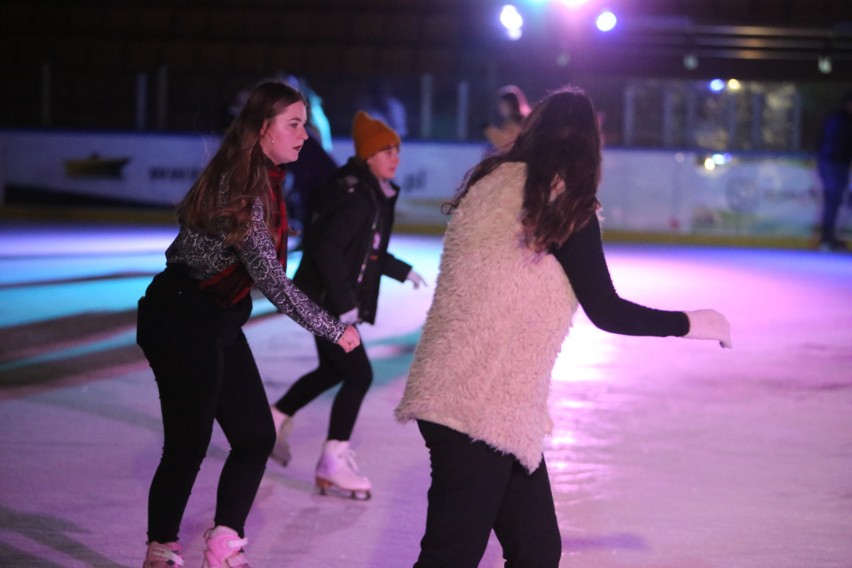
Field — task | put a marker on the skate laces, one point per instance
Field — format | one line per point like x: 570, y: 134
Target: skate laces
x: 232, y: 542
x: 237, y: 543
x: 238, y: 560
x: 159, y: 551
x: 348, y: 456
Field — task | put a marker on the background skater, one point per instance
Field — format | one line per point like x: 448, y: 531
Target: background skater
x: 345, y: 256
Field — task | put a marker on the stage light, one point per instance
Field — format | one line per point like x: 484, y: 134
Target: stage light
x: 734, y: 85
x: 717, y: 85
x: 606, y: 21
x: 690, y: 61
x: 573, y: 3
x: 824, y: 64
x: 512, y: 21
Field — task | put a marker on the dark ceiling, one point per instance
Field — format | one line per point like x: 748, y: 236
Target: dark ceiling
x: 780, y: 39
x: 752, y: 39
x: 72, y: 63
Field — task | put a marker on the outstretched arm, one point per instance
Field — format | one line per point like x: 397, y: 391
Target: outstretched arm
x: 260, y: 260
x: 582, y: 258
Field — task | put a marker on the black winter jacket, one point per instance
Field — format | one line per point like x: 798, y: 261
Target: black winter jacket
x: 345, y: 251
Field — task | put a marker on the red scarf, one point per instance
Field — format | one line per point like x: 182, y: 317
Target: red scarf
x: 234, y: 283
x: 279, y: 221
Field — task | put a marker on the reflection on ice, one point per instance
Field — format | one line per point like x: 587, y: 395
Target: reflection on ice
x: 583, y: 353
x: 665, y: 453
x: 574, y: 404
x: 560, y: 439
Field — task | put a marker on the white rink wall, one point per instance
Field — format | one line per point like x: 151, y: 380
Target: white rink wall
x: 678, y: 192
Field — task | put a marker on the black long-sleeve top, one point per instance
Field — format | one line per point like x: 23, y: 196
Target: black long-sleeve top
x: 582, y: 258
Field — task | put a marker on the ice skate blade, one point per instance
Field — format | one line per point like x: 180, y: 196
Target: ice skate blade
x: 327, y: 488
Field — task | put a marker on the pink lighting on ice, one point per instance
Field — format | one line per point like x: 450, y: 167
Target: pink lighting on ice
x: 664, y: 451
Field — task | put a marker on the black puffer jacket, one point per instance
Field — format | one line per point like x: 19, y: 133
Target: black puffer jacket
x: 345, y: 253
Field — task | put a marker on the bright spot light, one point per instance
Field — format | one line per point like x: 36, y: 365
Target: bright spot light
x: 734, y: 85
x: 574, y: 3
x: 709, y: 164
x: 717, y: 85
x: 606, y: 21
x: 720, y: 159
x: 511, y: 18
x: 824, y: 64
x: 512, y: 21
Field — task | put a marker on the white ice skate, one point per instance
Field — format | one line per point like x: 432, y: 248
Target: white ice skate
x: 337, y: 472
x: 283, y: 426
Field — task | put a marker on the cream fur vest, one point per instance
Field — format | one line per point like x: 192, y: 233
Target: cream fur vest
x: 495, y: 327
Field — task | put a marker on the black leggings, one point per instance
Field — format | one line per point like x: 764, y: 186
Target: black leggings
x: 205, y: 371
x: 353, y: 369
x: 475, y: 489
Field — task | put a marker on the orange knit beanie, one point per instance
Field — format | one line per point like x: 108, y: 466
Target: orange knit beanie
x: 371, y: 135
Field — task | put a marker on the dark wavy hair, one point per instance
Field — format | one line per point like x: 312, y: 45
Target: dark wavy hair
x: 220, y: 200
x: 560, y: 144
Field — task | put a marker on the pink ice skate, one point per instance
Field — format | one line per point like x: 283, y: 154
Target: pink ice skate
x: 163, y: 555
x: 224, y: 549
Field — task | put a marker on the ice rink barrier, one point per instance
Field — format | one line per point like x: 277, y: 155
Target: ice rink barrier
x: 659, y: 191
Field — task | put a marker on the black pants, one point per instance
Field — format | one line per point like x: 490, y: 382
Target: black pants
x: 205, y: 371
x: 835, y: 182
x: 476, y: 489
x: 353, y: 369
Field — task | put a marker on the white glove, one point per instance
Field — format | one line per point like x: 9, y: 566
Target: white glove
x: 350, y: 317
x: 709, y: 324
x: 415, y: 279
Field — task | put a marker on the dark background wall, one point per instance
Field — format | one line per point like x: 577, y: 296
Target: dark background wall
x: 83, y: 64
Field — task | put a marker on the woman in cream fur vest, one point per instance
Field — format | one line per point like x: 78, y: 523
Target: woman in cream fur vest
x: 522, y: 249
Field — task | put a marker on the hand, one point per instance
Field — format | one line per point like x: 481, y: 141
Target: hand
x: 709, y: 324
x: 350, y: 317
x: 415, y: 279
x: 350, y: 339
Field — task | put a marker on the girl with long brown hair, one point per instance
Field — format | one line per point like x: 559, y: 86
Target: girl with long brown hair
x: 522, y: 249
x: 233, y: 236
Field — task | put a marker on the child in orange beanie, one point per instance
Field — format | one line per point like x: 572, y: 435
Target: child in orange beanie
x: 345, y: 256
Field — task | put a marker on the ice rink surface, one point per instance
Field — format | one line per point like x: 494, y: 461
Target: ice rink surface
x: 667, y: 453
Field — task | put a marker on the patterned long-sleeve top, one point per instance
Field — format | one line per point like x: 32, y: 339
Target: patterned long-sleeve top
x: 207, y: 256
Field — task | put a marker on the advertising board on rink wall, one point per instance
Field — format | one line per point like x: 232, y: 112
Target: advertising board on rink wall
x: 642, y: 190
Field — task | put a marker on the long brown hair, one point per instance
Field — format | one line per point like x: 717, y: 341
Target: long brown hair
x: 560, y: 144
x: 220, y: 200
